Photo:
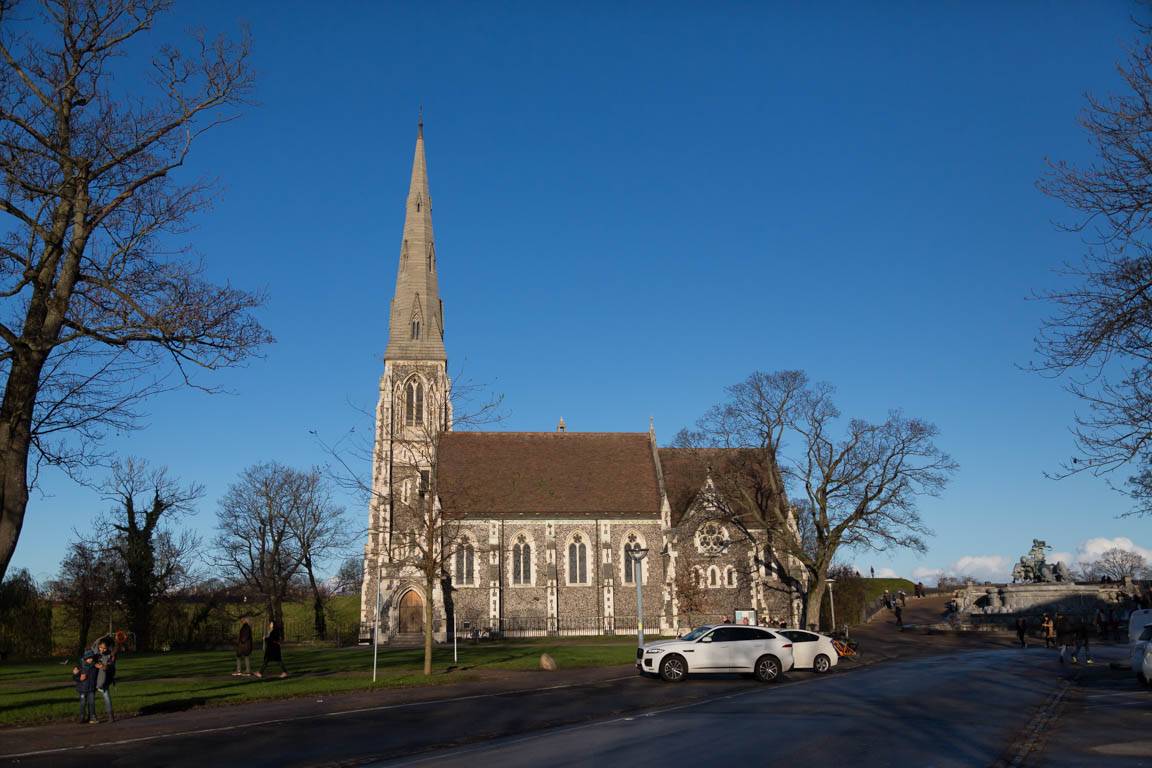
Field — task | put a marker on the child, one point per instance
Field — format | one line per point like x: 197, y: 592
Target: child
x: 85, y: 676
x: 106, y: 664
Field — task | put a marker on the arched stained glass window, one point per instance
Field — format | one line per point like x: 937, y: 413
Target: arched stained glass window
x: 414, y: 404
x: 466, y: 564
x: 577, y: 561
x: 521, y: 561
x: 632, y: 569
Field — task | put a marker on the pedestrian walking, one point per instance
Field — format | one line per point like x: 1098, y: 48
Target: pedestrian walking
x: 1063, y: 634
x: 1021, y: 630
x: 244, y: 649
x: 84, y: 673
x: 105, y: 675
x: 1049, y: 629
x: 272, y: 641
x: 873, y: 570
x: 899, y: 614
x: 887, y: 600
x: 903, y: 597
x: 1081, y: 633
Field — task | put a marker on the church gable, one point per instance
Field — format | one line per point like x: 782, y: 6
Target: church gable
x: 548, y: 474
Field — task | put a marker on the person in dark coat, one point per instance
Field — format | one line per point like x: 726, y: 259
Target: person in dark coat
x: 1063, y: 634
x: 244, y: 648
x: 899, y: 615
x: 85, y: 676
x: 1021, y: 629
x: 272, y: 641
x: 1083, y: 627
x: 105, y: 674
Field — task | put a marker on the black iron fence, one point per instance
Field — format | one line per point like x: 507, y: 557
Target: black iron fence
x: 511, y: 627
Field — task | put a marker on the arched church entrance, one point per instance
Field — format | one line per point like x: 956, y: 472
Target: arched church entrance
x: 411, y: 613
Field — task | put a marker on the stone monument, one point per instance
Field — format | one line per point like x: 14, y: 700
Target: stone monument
x: 1032, y: 568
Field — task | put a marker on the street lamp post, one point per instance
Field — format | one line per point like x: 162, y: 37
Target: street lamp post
x: 376, y: 627
x: 638, y: 576
x: 832, y: 603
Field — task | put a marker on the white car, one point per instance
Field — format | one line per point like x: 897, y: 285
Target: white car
x: 718, y: 648
x: 1141, y: 654
x: 811, y: 650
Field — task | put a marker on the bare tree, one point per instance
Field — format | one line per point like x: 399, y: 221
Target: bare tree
x: 85, y: 583
x: 96, y: 310
x: 857, y: 492
x: 433, y: 522
x: 350, y: 576
x: 1118, y: 564
x: 1100, y: 335
x: 152, y: 558
x: 274, y: 523
x: 691, y: 593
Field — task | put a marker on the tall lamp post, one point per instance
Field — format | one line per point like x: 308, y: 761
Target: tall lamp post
x: 376, y: 627
x: 832, y: 603
x: 638, y: 576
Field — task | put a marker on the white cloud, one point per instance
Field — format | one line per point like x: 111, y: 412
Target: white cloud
x: 979, y: 567
x: 1091, y: 549
x: 1061, y: 557
x: 885, y: 573
x: 982, y: 567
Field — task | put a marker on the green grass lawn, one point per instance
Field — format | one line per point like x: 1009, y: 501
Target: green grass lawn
x: 874, y: 588
x: 150, y: 683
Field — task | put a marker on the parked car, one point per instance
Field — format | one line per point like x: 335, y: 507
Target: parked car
x: 718, y: 648
x: 1140, y: 651
x: 811, y: 650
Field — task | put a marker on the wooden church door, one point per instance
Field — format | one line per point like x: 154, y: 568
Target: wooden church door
x: 411, y: 613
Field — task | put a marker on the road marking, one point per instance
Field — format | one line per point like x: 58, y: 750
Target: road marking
x: 340, y: 713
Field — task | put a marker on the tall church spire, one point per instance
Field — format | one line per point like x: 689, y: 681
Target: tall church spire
x: 416, y: 321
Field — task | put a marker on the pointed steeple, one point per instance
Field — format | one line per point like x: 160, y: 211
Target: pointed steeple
x: 416, y: 321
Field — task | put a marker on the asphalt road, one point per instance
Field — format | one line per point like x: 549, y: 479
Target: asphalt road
x: 959, y: 710
x: 979, y: 708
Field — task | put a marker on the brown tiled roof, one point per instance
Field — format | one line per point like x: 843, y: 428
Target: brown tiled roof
x: 686, y: 469
x: 548, y: 474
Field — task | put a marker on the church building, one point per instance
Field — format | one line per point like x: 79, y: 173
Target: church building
x: 534, y: 533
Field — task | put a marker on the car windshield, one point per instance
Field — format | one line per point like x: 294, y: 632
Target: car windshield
x: 696, y: 634
x: 1147, y: 633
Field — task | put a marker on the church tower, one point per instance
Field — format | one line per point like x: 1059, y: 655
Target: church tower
x: 414, y: 407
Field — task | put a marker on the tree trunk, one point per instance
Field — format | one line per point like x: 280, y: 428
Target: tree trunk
x: 812, y: 602
x: 85, y: 626
x: 428, y: 626
x: 15, y: 440
x: 320, y: 624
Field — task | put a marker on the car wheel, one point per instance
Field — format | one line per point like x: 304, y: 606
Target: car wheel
x: 821, y: 664
x: 673, y: 669
x: 1140, y: 676
x: 767, y: 669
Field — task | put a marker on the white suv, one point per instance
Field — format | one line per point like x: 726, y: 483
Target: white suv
x: 718, y: 648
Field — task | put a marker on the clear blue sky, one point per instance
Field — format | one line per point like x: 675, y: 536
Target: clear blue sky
x: 637, y: 204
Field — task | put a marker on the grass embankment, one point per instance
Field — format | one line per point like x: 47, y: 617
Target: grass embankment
x: 151, y: 683
x: 874, y: 588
